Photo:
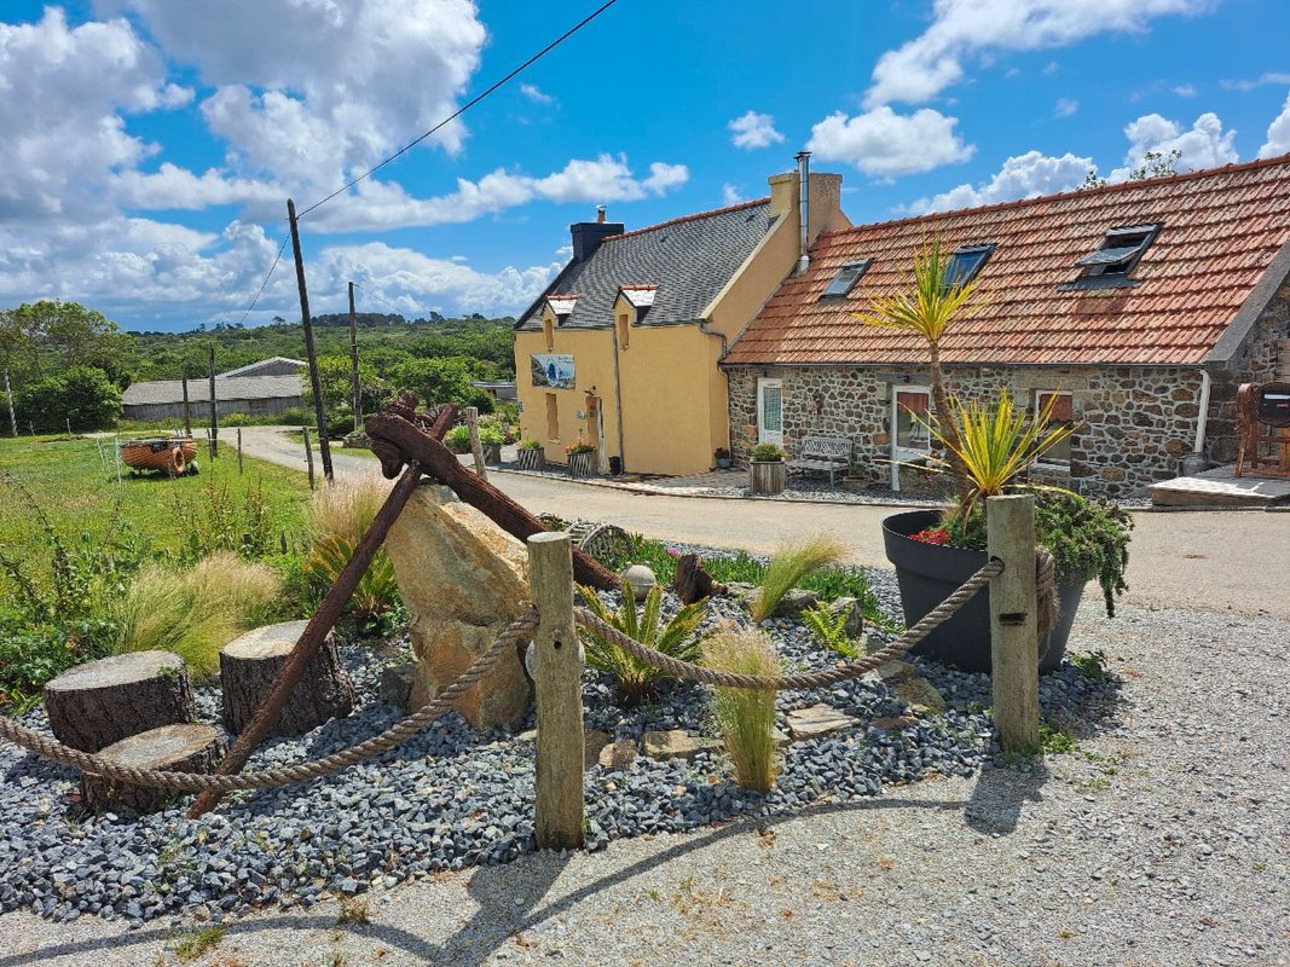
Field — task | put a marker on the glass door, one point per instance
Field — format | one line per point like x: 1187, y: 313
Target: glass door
x: 770, y: 411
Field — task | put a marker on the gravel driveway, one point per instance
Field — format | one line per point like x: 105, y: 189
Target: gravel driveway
x: 1160, y: 841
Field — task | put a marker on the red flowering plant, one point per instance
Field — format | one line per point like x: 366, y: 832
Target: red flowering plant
x: 932, y: 535
x: 579, y: 447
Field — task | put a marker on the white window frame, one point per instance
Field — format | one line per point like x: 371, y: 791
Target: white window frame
x: 1036, y: 409
x: 764, y: 435
x: 901, y: 454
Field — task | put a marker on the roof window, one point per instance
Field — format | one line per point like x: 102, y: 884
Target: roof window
x: 846, y: 279
x: 965, y: 262
x: 1118, y: 255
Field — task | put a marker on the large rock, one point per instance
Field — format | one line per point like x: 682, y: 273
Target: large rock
x: 795, y: 601
x: 463, y: 579
x: 855, y: 615
x: 676, y: 744
x: 817, y: 721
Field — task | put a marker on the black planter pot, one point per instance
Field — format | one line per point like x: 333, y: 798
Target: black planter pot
x: 929, y: 573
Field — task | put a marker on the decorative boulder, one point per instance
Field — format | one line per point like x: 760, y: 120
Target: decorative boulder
x: 463, y: 579
x: 794, y: 602
x: 171, y: 748
x: 640, y: 579
x: 101, y: 702
x: 855, y: 615
x: 249, y: 663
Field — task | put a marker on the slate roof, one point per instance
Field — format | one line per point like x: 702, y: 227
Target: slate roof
x: 238, y: 388
x: 251, y: 369
x: 1220, y: 231
x: 688, y: 259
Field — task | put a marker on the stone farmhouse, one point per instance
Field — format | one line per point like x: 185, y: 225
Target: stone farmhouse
x: 1140, y: 307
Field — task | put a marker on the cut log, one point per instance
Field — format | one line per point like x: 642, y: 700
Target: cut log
x: 693, y: 582
x: 248, y: 665
x: 173, y: 748
x: 101, y: 702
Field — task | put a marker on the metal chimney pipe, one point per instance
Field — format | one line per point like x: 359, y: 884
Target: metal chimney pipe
x: 803, y: 159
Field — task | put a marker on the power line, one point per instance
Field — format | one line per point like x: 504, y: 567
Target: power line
x: 263, y: 285
x: 379, y: 299
x: 465, y: 107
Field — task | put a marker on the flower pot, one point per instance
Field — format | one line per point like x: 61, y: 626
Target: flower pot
x: 723, y: 463
x: 531, y: 459
x: 768, y: 477
x: 929, y: 573
x: 582, y: 465
x: 492, y: 452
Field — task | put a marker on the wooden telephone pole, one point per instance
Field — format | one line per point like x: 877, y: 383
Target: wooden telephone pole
x: 188, y: 418
x: 315, y: 380
x: 214, y: 409
x: 8, y: 392
x: 353, y: 358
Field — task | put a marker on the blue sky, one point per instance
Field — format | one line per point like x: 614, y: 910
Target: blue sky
x: 150, y: 145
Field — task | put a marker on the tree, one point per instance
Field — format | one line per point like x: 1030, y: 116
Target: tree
x: 82, y: 396
x: 335, y: 373
x: 1155, y: 164
x: 442, y: 381
x: 46, y: 338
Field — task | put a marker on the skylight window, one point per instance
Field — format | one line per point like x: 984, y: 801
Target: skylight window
x: 846, y: 279
x: 965, y: 262
x: 1118, y: 255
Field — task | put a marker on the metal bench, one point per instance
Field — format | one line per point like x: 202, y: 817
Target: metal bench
x: 823, y: 454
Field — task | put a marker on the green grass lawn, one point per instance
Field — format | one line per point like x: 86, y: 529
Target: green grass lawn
x: 75, y: 483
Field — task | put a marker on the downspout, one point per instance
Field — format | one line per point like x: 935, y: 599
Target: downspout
x: 725, y: 347
x: 804, y: 208
x: 1197, y: 459
x: 618, y: 399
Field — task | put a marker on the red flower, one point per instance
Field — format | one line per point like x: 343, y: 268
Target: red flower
x: 932, y: 535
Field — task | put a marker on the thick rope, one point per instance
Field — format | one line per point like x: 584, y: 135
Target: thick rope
x: 710, y: 676
x: 520, y: 629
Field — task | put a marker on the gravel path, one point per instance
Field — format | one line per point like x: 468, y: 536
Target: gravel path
x: 1161, y: 841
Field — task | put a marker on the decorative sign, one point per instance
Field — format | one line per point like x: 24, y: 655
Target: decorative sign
x: 552, y: 370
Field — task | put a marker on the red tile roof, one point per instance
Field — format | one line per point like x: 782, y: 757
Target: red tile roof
x: 1221, y: 229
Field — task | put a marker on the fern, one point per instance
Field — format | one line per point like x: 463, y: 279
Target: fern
x: 828, y: 628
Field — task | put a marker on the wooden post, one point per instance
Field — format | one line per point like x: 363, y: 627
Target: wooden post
x: 1010, y: 536
x: 309, y: 456
x: 188, y: 417
x: 356, y: 389
x: 472, y: 421
x: 214, y: 411
x: 315, y: 380
x: 8, y: 392
x: 559, y: 807
x: 239, y: 450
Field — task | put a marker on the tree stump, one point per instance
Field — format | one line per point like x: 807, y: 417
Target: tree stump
x: 101, y: 702
x: 248, y: 664
x: 693, y: 582
x: 174, y: 748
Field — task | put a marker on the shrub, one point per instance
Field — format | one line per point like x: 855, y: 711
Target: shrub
x: 339, y: 515
x: 530, y: 445
x: 216, y: 521
x: 195, y: 613
x: 82, y: 396
x: 745, y: 717
x: 637, y: 680
x: 235, y: 420
x: 491, y: 436
x: 458, y: 439
x: 827, y: 627
x: 768, y: 453
x: 788, y: 567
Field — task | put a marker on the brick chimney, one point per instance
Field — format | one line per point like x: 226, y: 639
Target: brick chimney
x: 587, y: 236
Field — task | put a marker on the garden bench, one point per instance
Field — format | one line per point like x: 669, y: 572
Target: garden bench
x: 823, y: 454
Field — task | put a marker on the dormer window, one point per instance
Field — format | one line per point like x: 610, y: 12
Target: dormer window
x: 845, y: 280
x: 965, y: 262
x: 1111, y: 262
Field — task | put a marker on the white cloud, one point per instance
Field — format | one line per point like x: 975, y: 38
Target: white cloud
x: 1278, y: 141
x: 536, y: 94
x: 664, y: 177
x: 961, y: 29
x: 884, y: 143
x: 172, y: 187
x: 1023, y: 176
x: 730, y: 195
x: 1204, y: 145
x: 1185, y: 90
x: 1268, y: 77
x: 753, y: 130
x: 1066, y: 106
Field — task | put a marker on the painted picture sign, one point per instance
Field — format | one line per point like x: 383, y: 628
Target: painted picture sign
x: 552, y: 369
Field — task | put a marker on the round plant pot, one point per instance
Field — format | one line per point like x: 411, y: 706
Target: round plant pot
x: 929, y: 573
x: 723, y: 463
x: 582, y: 465
x: 767, y: 477
x: 531, y: 459
x: 492, y: 452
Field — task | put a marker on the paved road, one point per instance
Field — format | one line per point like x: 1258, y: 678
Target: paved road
x: 1235, y: 561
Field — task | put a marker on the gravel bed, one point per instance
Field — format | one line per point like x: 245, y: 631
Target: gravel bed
x: 452, y: 797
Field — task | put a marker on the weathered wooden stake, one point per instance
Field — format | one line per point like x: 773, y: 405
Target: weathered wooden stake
x: 8, y: 392
x: 472, y: 421
x: 315, y: 379
x: 309, y: 456
x: 188, y: 418
x: 355, y: 388
x: 239, y: 450
x: 559, y: 807
x: 1010, y: 536
x: 214, y: 432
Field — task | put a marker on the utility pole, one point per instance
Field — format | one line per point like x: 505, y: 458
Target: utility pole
x: 8, y: 392
x: 315, y: 379
x: 188, y: 418
x: 214, y: 411
x: 353, y: 358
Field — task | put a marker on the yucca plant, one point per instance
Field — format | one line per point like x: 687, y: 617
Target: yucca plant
x: 635, y: 680
x: 745, y: 717
x: 787, y: 568
x: 930, y: 307
x: 828, y: 628
x: 339, y: 515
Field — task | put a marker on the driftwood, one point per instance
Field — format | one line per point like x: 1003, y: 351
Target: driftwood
x: 102, y: 702
x: 693, y: 582
x: 396, y: 440
x: 249, y: 665
x: 173, y: 748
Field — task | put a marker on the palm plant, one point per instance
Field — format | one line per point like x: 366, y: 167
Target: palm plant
x: 930, y: 308
x: 787, y: 568
x: 636, y: 680
x: 745, y: 717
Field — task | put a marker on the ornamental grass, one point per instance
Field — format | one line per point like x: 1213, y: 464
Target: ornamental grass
x: 745, y: 717
x: 789, y: 566
x: 339, y: 515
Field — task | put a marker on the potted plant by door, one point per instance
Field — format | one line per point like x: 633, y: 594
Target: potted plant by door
x: 767, y: 473
x: 491, y: 439
x: 530, y: 455
x: 722, y: 456
x: 582, y: 459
